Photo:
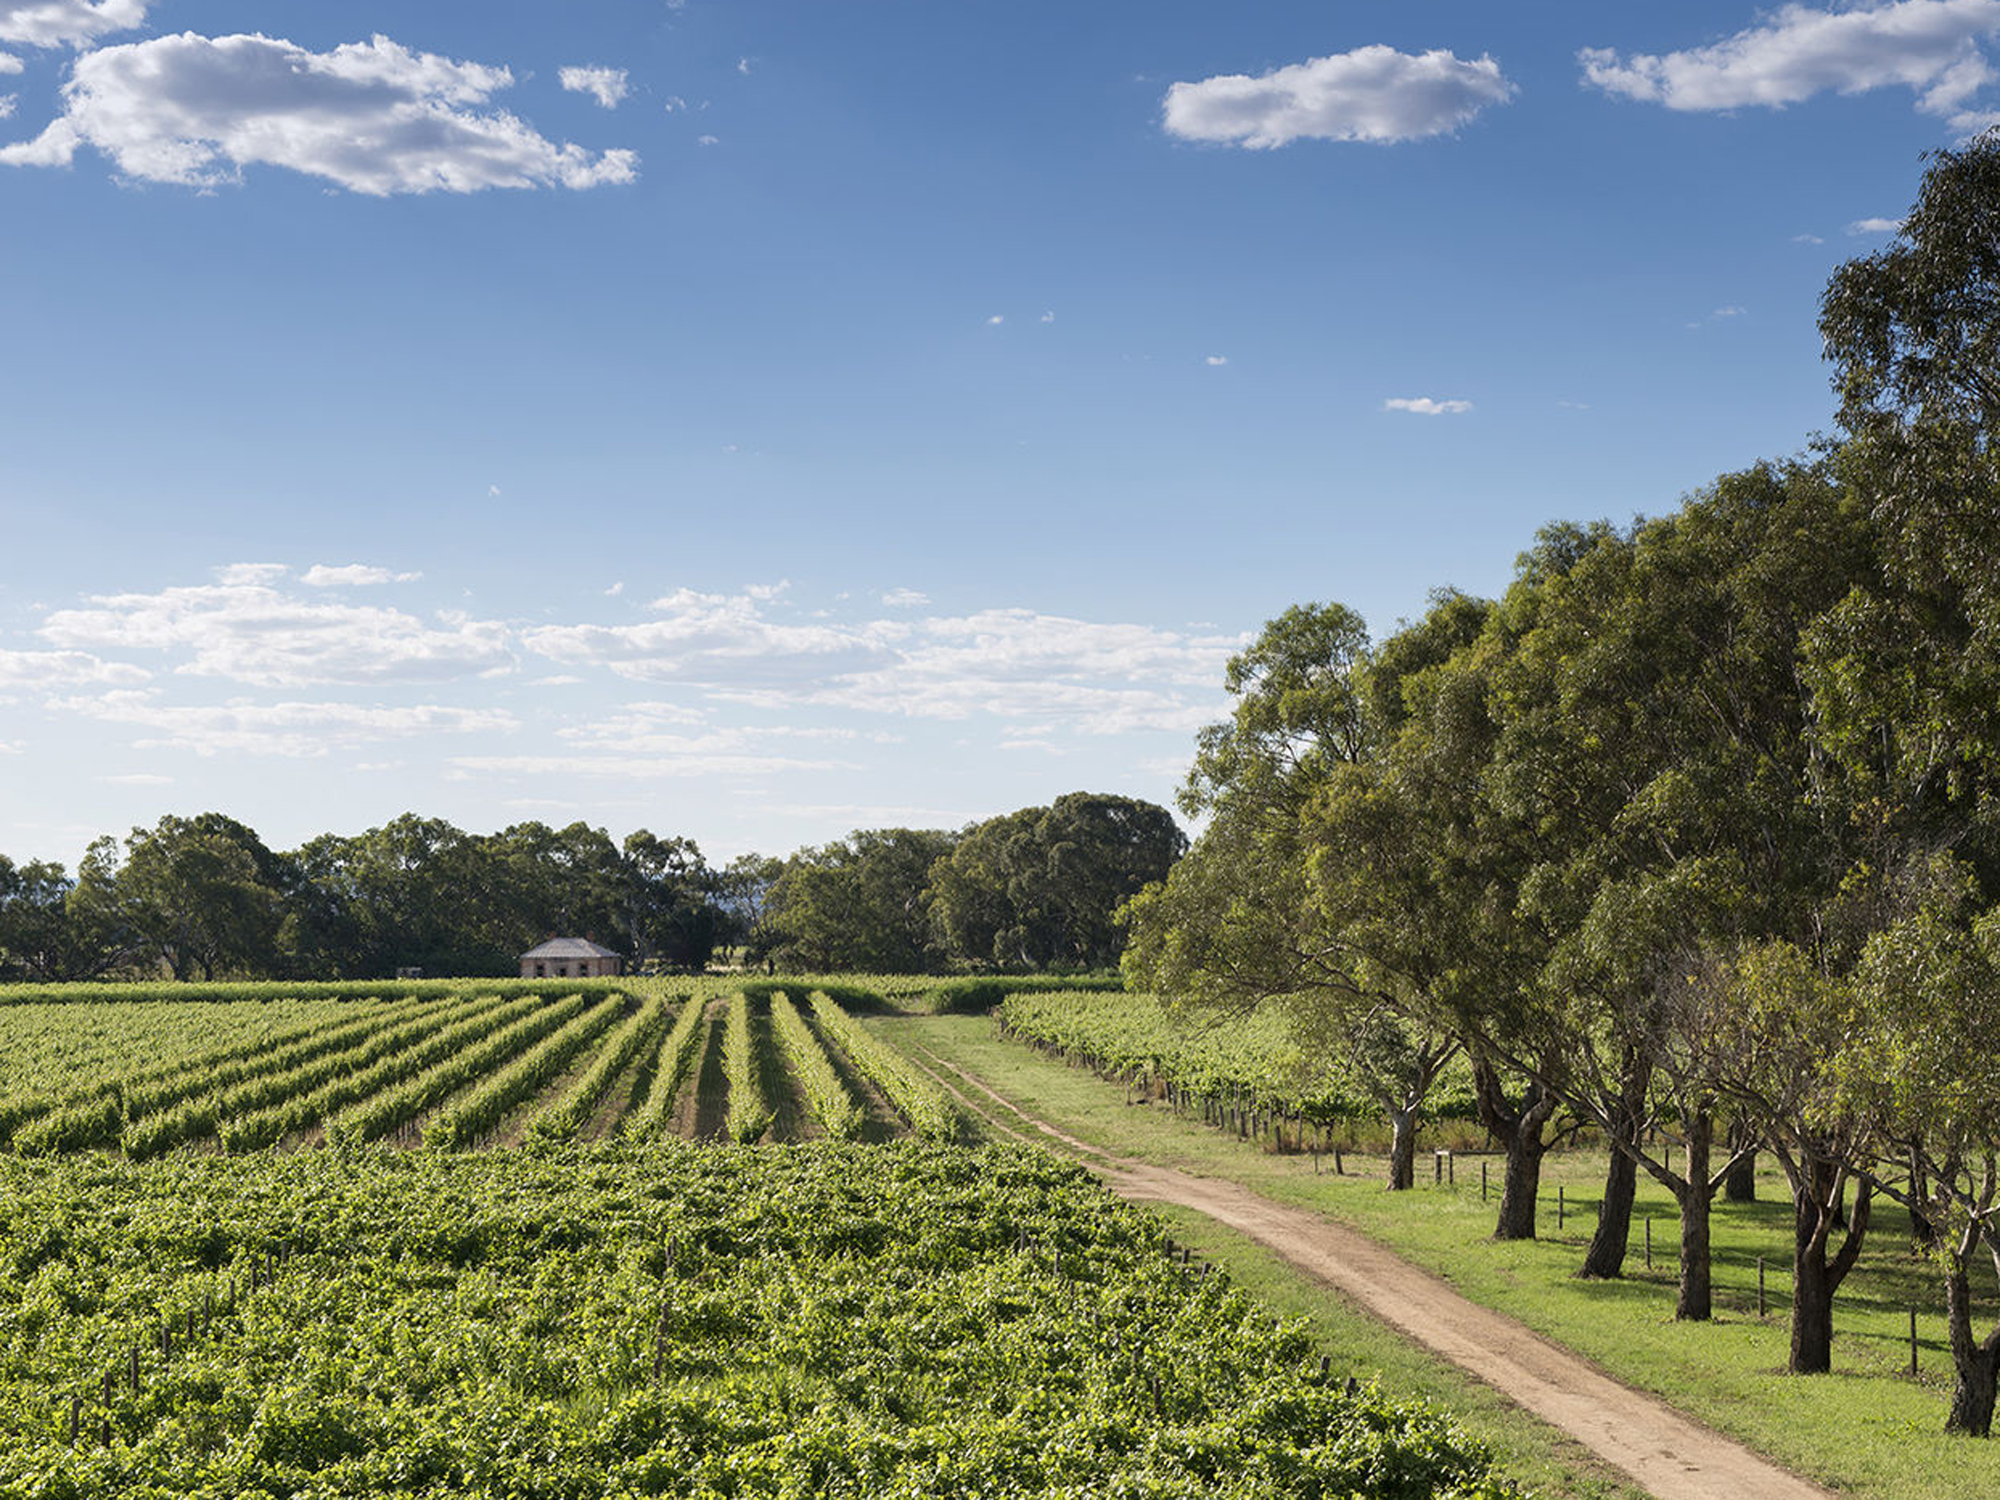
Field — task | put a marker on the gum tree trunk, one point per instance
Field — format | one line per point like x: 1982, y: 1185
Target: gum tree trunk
x: 1518, y: 1128
x: 1402, y: 1149
x: 1604, y: 1259
x: 1695, y: 1303
x: 1818, y: 1191
x: 1975, y: 1362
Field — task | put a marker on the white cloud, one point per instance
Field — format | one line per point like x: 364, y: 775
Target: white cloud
x: 743, y: 65
x: 1731, y: 311
x: 1808, y: 239
x: 372, y: 116
x: 253, y: 633
x: 905, y: 598
x: 615, y: 590
x: 11, y: 747
x: 9, y: 63
x: 139, y: 778
x: 606, y: 85
x: 1370, y: 94
x: 1216, y: 359
x: 233, y: 574
x: 714, y: 637
x: 1019, y: 664
x: 1875, y: 226
x: 7, y: 105
x: 352, y: 575
x: 51, y: 669
x: 995, y: 321
x: 73, y: 23
x: 708, y: 140
x: 299, y: 730
x: 1089, y: 677
x: 1048, y: 317
x: 1928, y: 46
x: 1425, y: 406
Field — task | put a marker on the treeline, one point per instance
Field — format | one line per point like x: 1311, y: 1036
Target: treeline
x: 1693, y: 836
x: 204, y: 898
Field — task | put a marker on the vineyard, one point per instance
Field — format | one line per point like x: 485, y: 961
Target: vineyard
x: 902, y: 1320
x: 253, y: 1246
x: 449, y: 1069
x: 1248, y: 1073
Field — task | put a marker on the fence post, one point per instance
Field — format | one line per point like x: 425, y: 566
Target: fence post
x: 1562, y: 1206
x: 1913, y: 1341
x: 1649, y: 1244
x: 1482, y: 1182
x: 1760, y: 1286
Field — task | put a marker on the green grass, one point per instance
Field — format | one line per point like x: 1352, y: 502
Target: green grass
x: 1867, y: 1429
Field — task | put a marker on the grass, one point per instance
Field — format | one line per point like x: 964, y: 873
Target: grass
x: 1869, y: 1428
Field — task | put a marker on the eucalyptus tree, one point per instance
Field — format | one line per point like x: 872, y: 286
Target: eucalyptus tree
x: 857, y: 903
x: 1287, y: 899
x: 42, y: 935
x: 668, y: 901
x: 1042, y: 886
x: 1920, y: 1059
x: 203, y: 895
x: 1411, y: 860
x: 1655, y: 759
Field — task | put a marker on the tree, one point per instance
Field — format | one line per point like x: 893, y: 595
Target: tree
x: 202, y: 894
x: 744, y: 895
x: 1265, y: 910
x: 41, y: 937
x: 667, y: 897
x: 1921, y: 1060
x: 1042, y: 886
x: 857, y: 903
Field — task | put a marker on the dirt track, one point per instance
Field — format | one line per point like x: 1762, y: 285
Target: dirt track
x: 1666, y: 1453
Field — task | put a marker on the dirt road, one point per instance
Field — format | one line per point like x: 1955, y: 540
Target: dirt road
x: 1666, y: 1453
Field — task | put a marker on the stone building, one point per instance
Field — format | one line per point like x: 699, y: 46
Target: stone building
x: 569, y: 958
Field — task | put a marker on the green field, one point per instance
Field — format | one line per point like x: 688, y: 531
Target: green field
x: 443, y: 1241
x: 448, y: 1066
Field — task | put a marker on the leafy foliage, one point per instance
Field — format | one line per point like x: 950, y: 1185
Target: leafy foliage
x: 672, y: 1320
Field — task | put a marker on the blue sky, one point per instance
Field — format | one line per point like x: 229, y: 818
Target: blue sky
x: 755, y: 419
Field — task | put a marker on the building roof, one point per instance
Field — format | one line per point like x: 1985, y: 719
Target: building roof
x: 569, y: 948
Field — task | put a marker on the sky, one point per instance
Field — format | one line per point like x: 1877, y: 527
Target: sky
x: 754, y: 420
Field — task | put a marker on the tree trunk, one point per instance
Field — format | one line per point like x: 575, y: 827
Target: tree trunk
x: 1975, y: 1362
x: 1604, y: 1260
x: 1519, y: 1131
x: 1402, y: 1149
x: 1521, y: 1186
x: 1741, y: 1184
x: 1820, y: 1190
x: 1812, y: 1315
x: 1695, y: 1303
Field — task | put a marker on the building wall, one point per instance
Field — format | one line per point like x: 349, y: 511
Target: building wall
x: 571, y: 968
